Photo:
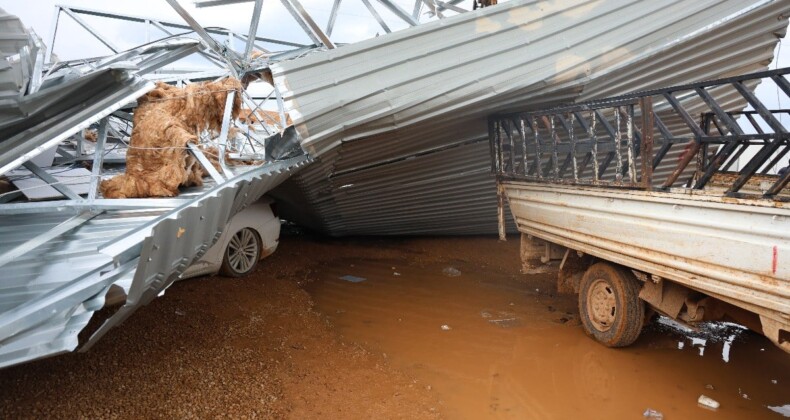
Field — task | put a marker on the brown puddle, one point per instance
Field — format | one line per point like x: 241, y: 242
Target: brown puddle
x: 511, y: 349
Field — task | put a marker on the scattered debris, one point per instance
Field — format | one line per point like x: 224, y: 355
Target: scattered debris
x: 709, y: 386
x: 774, y: 381
x: 451, y: 272
x: 352, y: 279
x: 166, y: 120
x: 446, y: 327
x: 708, y: 402
x: 261, y: 116
x: 681, y: 344
x: 91, y: 135
x: 396, y: 274
x: 653, y: 414
x: 506, y: 322
x: 784, y: 410
x: 180, y: 313
x: 700, y: 343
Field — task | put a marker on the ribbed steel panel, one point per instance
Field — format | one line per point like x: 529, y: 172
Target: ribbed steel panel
x: 48, y: 296
x: 416, y: 92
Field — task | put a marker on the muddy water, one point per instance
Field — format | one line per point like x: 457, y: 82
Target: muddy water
x: 511, y: 349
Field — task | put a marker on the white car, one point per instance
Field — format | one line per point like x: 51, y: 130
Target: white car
x: 251, y: 235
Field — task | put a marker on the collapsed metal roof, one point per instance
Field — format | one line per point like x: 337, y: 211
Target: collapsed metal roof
x: 396, y: 129
x: 398, y: 123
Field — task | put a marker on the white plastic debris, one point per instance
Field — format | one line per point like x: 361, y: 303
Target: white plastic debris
x: 451, y: 272
x: 781, y: 409
x: 396, y: 274
x: 681, y: 345
x: 709, y: 386
x: 446, y: 327
x: 708, y: 402
x: 653, y: 414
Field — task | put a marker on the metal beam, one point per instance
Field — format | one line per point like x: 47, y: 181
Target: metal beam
x: 212, y: 3
x: 157, y: 62
x: 253, y: 109
x: 53, y: 34
x: 223, y: 134
x: 229, y: 55
x: 211, y: 56
x: 306, y: 22
x: 451, y: 5
x: 256, y: 17
x: 416, y: 12
x: 281, y: 107
x: 330, y: 25
x: 377, y: 16
x: 201, y: 157
x: 432, y: 8
x: 90, y: 29
x: 49, y: 179
x: 399, y: 12
x: 98, y: 160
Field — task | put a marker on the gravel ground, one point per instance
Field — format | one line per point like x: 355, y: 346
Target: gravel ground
x: 217, y: 347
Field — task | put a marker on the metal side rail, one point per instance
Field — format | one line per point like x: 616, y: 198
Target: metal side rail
x: 59, y: 262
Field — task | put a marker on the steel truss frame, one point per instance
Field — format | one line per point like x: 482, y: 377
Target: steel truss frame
x: 578, y: 144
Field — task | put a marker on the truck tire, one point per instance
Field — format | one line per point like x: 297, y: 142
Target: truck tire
x: 241, y: 254
x: 609, y: 305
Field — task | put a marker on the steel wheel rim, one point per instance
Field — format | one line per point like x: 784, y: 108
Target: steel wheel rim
x: 601, y: 305
x: 242, y: 251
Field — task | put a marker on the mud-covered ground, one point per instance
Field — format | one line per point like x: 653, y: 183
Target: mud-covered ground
x: 427, y: 328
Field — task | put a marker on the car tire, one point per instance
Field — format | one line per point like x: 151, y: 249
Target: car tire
x: 609, y: 305
x: 241, y: 253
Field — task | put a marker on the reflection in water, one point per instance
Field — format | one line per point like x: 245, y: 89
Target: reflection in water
x: 513, y: 352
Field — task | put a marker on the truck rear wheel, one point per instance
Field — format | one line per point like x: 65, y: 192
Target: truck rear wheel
x: 609, y: 305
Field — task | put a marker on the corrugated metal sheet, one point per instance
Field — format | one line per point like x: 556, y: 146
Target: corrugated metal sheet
x: 34, y: 123
x: 385, y: 112
x: 48, y: 295
x: 15, y: 69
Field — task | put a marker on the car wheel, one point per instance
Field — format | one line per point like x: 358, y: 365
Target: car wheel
x: 241, y: 254
x: 609, y: 305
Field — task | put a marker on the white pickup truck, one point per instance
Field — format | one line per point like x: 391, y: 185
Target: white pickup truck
x: 641, y: 205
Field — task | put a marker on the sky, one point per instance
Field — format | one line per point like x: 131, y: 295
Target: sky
x: 354, y: 23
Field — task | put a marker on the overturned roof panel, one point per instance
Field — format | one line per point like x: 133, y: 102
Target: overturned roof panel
x: 393, y: 119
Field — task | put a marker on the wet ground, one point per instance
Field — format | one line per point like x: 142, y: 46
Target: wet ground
x: 493, y: 343
x: 393, y: 328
